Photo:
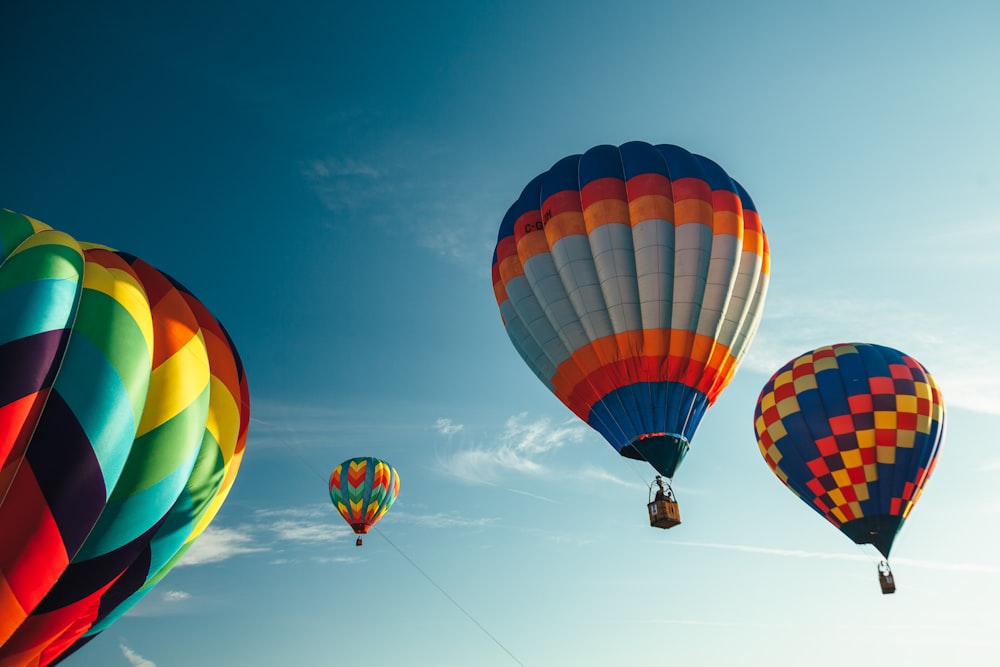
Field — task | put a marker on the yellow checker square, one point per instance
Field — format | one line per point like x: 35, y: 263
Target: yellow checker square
x: 855, y: 508
x: 802, y: 361
x: 906, y: 438
x: 906, y: 404
x: 825, y: 364
x: 805, y: 383
x: 767, y: 402
x: 871, y: 472
x: 852, y: 458
x: 885, y: 454
x: 788, y: 406
x: 922, y: 390
x: 924, y: 423
x: 775, y: 454
x: 837, y: 496
x: 845, y: 349
x: 885, y: 419
x: 861, y: 491
x: 842, y: 478
x: 865, y: 438
x: 777, y: 431
x: 839, y: 514
x: 783, y: 378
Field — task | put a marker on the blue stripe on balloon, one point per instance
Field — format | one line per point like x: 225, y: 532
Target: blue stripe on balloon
x: 96, y: 395
x: 37, y: 306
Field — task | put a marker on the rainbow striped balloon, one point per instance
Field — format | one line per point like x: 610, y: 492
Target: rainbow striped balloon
x: 631, y: 281
x: 363, y: 489
x: 124, y: 410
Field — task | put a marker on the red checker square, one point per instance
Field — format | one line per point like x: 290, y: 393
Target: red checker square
x: 822, y: 506
x: 816, y: 487
x: 923, y: 406
x: 849, y: 495
x: 906, y: 421
x: 781, y: 392
x: 867, y: 455
x: 818, y: 467
x: 908, y: 491
x: 846, y: 509
x: 886, y: 437
x: 900, y: 372
x: 896, y: 507
x: 827, y: 446
x: 824, y: 353
x: 857, y: 475
x: 860, y: 403
x: 841, y: 424
x: 882, y: 385
x: 802, y: 370
x: 771, y: 415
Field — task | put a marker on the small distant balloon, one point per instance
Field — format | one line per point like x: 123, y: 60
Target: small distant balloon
x: 363, y: 489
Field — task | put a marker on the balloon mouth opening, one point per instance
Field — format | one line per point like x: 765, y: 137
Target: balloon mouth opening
x: 663, y: 451
x: 360, y: 528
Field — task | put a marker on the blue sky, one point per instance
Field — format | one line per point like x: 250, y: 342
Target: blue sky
x: 329, y: 177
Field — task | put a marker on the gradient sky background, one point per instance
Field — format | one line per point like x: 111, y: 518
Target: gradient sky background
x: 328, y: 178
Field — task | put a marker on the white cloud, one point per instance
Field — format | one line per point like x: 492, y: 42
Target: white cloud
x: 440, y: 520
x: 318, y: 170
x: 175, y: 596
x: 447, y: 427
x: 517, y: 449
x: 134, y: 658
x: 602, y: 475
x: 963, y: 365
x: 219, y: 544
x: 801, y: 553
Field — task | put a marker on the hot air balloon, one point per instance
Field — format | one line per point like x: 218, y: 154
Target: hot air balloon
x: 853, y: 430
x: 363, y: 489
x: 123, y: 418
x: 631, y: 281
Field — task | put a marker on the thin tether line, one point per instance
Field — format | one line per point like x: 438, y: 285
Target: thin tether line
x: 450, y: 598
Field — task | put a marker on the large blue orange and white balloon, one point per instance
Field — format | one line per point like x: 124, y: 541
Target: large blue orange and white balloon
x: 631, y: 280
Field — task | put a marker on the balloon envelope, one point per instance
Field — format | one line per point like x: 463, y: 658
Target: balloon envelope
x: 631, y: 280
x: 123, y: 419
x: 363, y: 489
x: 853, y: 430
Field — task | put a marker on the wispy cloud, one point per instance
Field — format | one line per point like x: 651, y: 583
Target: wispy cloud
x: 302, y: 525
x: 963, y: 365
x: 447, y: 427
x: 318, y: 170
x: 219, y: 544
x: 519, y: 448
x: 408, y: 186
x: 175, y: 596
x: 813, y: 555
x: 441, y: 520
x: 134, y: 658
